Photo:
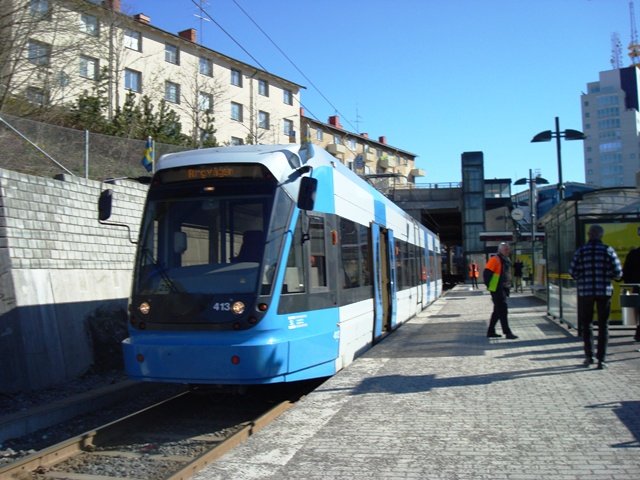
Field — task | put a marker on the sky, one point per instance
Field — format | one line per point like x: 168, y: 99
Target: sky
x: 435, y: 77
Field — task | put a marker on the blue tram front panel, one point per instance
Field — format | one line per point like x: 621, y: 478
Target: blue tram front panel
x: 305, y: 346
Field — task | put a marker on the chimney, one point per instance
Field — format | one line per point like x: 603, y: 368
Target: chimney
x: 334, y: 120
x: 301, y: 112
x: 113, y: 5
x: 365, y: 135
x: 189, y: 34
x: 142, y: 18
x: 382, y: 140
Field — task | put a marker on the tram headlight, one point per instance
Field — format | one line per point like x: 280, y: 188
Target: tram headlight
x: 238, y: 307
x: 144, y: 308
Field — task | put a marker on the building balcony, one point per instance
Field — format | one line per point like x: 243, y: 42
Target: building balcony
x: 417, y: 172
x: 370, y: 159
x: 387, y: 162
x: 336, y: 149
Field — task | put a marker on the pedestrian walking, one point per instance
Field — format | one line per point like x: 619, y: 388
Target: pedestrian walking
x: 497, y: 278
x: 631, y: 274
x: 473, y: 274
x: 594, y: 266
x: 517, y: 274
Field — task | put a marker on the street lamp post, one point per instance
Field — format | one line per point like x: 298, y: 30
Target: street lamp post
x: 567, y: 134
x: 533, y: 197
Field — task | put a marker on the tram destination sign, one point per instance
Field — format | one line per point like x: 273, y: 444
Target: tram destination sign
x: 208, y: 171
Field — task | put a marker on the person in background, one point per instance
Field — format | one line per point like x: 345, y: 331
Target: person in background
x: 594, y: 266
x: 517, y: 274
x: 473, y: 274
x: 497, y: 278
x: 631, y: 274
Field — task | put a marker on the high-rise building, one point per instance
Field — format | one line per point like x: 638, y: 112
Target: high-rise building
x: 611, y: 122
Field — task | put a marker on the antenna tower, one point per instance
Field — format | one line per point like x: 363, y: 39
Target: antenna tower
x: 616, y: 51
x: 200, y: 15
x: 634, y: 47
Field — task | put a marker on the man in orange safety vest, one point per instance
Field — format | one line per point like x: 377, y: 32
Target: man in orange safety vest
x: 497, y: 278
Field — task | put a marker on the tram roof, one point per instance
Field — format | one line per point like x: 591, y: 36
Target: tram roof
x: 281, y: 160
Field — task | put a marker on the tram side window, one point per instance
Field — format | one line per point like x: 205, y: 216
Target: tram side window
x: 402, y: 264
x: 355, y: 251
x: 294, y: 273
x: 413, y: 280
x: 365, y: 255
x: 349, y: 250
x: 318, y: 252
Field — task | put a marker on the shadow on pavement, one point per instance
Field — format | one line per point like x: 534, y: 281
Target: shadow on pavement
x: 425, y: 383
x: 629, y: 415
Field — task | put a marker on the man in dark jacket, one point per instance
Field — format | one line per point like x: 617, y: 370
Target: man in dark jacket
x: 593, y: 267
x: 631, y: 274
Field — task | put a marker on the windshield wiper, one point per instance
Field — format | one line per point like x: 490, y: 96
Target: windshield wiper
x: 162, y: 271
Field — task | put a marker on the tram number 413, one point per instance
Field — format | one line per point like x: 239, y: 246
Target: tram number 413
x: 222, y: 306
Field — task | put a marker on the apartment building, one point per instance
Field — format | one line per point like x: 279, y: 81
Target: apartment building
x: 611, y: 122
x: 364, y: 155
x: 62, y: 48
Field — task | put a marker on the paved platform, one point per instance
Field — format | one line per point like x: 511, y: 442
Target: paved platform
x: 438, y: 400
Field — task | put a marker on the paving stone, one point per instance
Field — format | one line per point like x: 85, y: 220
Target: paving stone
x: 438, y: 400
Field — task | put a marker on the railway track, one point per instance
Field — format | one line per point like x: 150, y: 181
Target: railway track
x: 172, y: 439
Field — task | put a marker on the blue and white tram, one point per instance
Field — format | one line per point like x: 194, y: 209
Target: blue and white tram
x: 265, y: 264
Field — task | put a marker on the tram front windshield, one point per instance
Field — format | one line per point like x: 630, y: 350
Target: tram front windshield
x: 209, y: 242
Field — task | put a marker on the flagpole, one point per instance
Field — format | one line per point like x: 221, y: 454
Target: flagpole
x: 153, y: 155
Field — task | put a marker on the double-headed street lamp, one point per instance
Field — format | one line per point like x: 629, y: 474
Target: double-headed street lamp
x: 533, y: 197
x: 568, y: 134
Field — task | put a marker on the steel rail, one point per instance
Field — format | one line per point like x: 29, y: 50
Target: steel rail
x: 230, y: 443
x: 79, y: 444
x: 39, y: 462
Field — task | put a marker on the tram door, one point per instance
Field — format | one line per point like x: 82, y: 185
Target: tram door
x: 383, y: 279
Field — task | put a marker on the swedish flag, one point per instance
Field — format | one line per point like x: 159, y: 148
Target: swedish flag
x: 147, y: 159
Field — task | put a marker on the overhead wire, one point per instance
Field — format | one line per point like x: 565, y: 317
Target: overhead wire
x: 291, y: 62
x: 203, y: 11
x: 237, y: 42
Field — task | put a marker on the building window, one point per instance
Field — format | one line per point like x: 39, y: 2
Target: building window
x: 236, y: 111
x: 39, y: 8
x: 39, y: 53
x: 133, y: 40
x: 288, y: 127
x: 171, y: 54
x: 607, y: 100
x: 337, y: 140
x: 171, y: 92
x: 287, y: 97
x: 263, y: 120
x: 319, y: 134
x: 263, y: 88
x: 352, y: 144
x: 236, y: 77
x: 89, y: 25
x: 206, y: 67
x: 205, y: 102
x: 236, y: 141
x: 132, y: 80
x: 36, y: 95
x: 89, y: 67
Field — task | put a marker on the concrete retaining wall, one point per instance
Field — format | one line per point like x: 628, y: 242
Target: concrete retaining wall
x: 58, y: 268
